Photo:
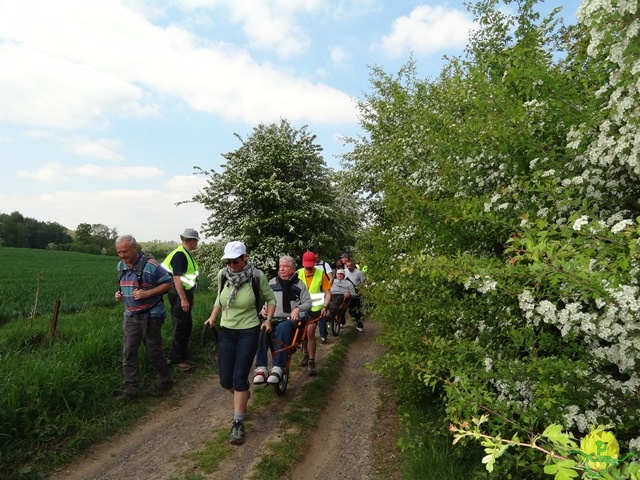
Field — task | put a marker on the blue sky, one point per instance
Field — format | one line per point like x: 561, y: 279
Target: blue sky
x: 106, y: 106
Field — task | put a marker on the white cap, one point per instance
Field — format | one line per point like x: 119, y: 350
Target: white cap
x: 234, y: 250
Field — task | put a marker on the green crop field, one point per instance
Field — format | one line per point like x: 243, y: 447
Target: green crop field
x: 33, y: 280
x: 57, y: 390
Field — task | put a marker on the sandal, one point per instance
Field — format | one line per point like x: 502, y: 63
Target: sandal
x: 276, y: 375
x: 260, y: 375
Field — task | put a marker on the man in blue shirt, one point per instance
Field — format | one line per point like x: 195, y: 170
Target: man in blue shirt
x: 142, y: 284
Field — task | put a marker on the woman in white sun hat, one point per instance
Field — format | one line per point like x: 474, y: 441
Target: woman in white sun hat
x: 243, y: 289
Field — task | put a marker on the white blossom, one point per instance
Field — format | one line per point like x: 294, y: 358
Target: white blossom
x: 580, y: 222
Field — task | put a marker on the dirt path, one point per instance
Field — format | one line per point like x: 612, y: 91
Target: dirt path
x: 347, y: 444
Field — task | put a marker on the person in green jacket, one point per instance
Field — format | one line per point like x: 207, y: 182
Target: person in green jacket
x: 239, y: 327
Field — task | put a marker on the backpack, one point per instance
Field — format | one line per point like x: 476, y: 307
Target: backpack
x: 255, y: 284
x: 139, y: 270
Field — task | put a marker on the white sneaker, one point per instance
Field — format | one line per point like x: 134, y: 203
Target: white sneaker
x: 260, y: 375
x: 276, y: 375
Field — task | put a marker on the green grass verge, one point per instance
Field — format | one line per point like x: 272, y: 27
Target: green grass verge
x: 57, y: 392
x: 426, y: 445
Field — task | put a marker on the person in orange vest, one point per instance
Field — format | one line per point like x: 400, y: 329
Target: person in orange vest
x: 319, y: 287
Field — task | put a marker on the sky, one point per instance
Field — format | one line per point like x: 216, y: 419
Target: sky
x: 106, y: 106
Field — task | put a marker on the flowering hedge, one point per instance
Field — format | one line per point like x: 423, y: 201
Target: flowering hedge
x: 503, y: 199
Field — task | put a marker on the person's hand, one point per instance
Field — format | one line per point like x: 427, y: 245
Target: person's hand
x: 347, y: 294
x: 185, y: 305
x: 118, y: 296
x: 295, y: 314
x: 266, y: 326
x: 210, y: 322
x: 139, y: 294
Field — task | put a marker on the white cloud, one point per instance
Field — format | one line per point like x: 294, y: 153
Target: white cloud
x: 49, y: 173
x: 43, y: 89
x: 338, y: 55
x: 37, y: 134
x: 268, y: 27
x: 112, y: 173
x: 103, y: 148
x: 127, y: 210
x: 186, y: 184
x: 100, y: 59
x: 427, y: 30
x: 267, y: 24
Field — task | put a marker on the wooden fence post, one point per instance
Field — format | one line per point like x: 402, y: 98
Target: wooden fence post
x: 54, y: 319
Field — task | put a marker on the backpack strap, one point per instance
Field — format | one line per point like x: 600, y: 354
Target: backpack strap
x: 139, y: 270
x: 354, y: 286
x: 255, y: 284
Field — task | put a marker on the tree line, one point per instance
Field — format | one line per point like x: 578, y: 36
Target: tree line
x: 19, y: 231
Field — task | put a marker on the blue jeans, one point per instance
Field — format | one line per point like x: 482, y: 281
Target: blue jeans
x: 281, y: 335
x: 236, y: 351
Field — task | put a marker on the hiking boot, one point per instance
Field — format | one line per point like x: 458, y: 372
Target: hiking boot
x: 276, y: 375
x: 159, y: 390
x: 260, y: 375
x: 359, y: 326
x: 305, y: 360
x: 237, y: 432
x: 323, y: 340
x: 184, y: 366
x: 126, y: 396
x: 311, y: 368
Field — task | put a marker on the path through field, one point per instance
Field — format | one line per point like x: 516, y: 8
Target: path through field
x: 354, y: 439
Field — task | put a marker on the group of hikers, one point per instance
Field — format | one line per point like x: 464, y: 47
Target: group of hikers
x: 246, y: 303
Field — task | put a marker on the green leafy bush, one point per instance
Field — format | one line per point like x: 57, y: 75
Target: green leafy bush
x: 503, y: 204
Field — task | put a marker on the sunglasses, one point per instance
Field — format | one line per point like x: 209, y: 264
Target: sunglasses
x: 235, y: 261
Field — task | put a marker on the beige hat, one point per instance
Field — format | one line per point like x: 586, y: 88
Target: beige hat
x: 340, y: 270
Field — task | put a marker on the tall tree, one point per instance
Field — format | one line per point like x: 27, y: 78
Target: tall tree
x: 276, y: 194
x: 83, y: 233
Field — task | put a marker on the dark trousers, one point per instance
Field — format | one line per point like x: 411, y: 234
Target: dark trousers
x: 182, y: 327
x: 355, y: 309
x: 148, y: 330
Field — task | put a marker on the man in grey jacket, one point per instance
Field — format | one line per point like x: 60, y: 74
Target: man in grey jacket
x: 293, y: 299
